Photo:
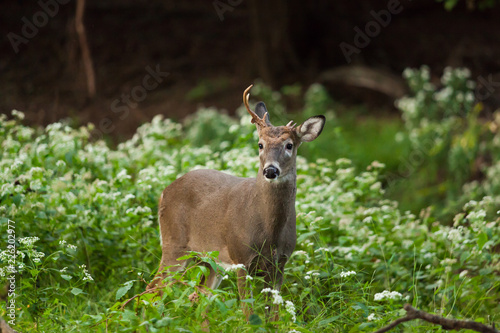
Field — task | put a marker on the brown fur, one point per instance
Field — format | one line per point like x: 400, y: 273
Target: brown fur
x: 250, y: 221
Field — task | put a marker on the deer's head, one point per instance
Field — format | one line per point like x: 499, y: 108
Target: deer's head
x: 278, y: 144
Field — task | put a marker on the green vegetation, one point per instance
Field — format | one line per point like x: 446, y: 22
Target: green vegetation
x: 480, y: 4
x: 87, y: 239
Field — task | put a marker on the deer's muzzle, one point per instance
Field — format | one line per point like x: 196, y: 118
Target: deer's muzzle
x: 271, y: 172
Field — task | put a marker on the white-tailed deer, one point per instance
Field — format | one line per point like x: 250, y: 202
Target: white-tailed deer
x: 250, y: 221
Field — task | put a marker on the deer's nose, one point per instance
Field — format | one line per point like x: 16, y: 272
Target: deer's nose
x: 271, y: 172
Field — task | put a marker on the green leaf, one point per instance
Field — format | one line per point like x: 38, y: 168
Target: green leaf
x: 450, y: 4
x: 360, y: 306
x: 129, y: 315
x: 464, y: 256
x: 66, y: 277
x: 328, y: 320
x: 230, y: 303
x: 254, y: 319
x: 481, y: 240
x: 123, y: 290
x: 366, y: 325
x: 304, y: 236
x: 163, y: 322
x: 248, y: 300
x: 76, y: 291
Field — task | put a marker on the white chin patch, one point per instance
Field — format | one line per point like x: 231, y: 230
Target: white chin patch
x: 277, y: 180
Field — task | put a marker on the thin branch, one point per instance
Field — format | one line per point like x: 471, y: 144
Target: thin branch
x: 446, y: 324
x: 84, y: 47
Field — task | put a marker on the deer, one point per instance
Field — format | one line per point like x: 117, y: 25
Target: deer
x: 251, y: 222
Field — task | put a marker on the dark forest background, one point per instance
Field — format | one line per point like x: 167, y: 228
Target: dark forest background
x: 214, y: 49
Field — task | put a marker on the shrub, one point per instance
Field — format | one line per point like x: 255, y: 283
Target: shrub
x: 92, y: 210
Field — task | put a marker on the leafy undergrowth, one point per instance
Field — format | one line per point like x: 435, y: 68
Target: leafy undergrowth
x: 87, y: 239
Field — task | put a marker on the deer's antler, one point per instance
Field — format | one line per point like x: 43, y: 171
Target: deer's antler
x: 291, y: 125
x: 255, y: 118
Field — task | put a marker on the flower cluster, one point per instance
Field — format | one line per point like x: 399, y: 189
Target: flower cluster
x: 387, y: 295
x: 235, y: 267
x: 277, y: 299
x: 290, y: 308
x: 28, y: 241
x: 346, y: 274
x: 69, y: 246
x: 86, y: 274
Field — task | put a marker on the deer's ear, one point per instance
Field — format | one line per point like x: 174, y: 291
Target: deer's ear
x: 261, y: 110
x: 311, y: 128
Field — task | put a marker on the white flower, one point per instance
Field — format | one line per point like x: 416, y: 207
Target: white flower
x: 387, y: 294
x: 248, y: 277
x: 454, y: 235
x: 448, y: 262
x: 18, y: 114
x: 277, y: 299
x: 87, y: 276
x: 69, y: 246
x: 28, y: 241
x: 122, y: 175
x: 346, y: 274
x: 290, y: 308
x: 36, y: 184
x: 63, y: 270
x: 377, y: 165
x: 372, y: 317
x: 235, y: 267
x: 269, y: 290
x: 225, y: 277
x: 128, y: 197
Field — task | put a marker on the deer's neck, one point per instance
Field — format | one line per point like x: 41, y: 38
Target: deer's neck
x: 277, y: 202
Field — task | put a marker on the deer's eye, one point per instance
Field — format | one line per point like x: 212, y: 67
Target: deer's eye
x: 289, y: 146
x: 261, y: 146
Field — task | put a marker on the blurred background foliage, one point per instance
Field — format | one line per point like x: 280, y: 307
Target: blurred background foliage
x: 441, y: 155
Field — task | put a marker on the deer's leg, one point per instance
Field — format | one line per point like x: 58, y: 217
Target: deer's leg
x: 243, y: 288
x: 214, y: 279
x: 168, y: 259
x: 212, y: 282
